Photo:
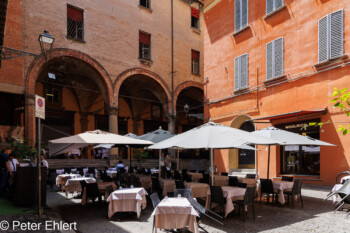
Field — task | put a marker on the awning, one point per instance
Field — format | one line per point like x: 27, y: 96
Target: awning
x: 297, y: 114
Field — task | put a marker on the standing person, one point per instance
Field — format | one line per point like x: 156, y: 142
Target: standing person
x: 13, y: 163
x: 119, y: 165
x: 162, y: 166
x: 5, y: 170
x: 44, y: 163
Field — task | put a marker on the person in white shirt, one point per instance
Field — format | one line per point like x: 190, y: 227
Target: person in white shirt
x: 44, y: 163
x: 13, y: 162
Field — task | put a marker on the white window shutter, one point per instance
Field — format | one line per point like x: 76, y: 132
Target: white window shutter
x: 237, y: 15
x: 323, y: 39
x: 269, y: 6
x: 278, y: 55
x: 336, y: 34
x: 244, y: 70
x: 269, y: 61
x: 278, y: 4
x: 237, y: 73
x: 244, y: 6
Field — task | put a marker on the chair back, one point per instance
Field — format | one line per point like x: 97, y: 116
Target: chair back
x: 168, y: 174
x: 92, y: 190
x: 89, y: 175
x: 156, y: 185
x: 216, y: 194
x: 297, y: 186
x: 201, y: 209
x: 266, y: 186
x: 345, y: 189
x: 233, y: 181
x: 109, y: 190
x: 242, y: 185
x: 135, y: 181
x: 177, y: 175
x: 250, y: 176
x: 205, y: 179
x: 224, y: 173
x: 179, y: 184
x: 249, y: 195
x: 287, y: 178
x: 155, y: 200
x: 83, y: 185
x: 182, y: 192
x: 91, y: 170
x: 67, y: 170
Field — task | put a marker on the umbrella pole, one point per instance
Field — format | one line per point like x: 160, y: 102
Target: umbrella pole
x: 178, y: 160
x: 268, y: 163
x: 130, y: 156
x: 160, y: 168
x: 212, y: 165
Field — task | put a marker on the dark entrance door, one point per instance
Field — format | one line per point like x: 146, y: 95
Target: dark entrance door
x: 246, y: 157
x: 57, y: 124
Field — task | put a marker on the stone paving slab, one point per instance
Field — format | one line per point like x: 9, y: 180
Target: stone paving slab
x: 316, y: 216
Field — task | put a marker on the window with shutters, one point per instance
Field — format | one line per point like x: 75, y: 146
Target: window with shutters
x: 330, y: 36
x: 241, y: 14
x: 146, y: 3
x: 273, y: 5
x: 195, y: 62
x: 195, y: 18
x: 144, y: 45
x: 241, y: 72
x: 75, y: 23
x: 274, y: 59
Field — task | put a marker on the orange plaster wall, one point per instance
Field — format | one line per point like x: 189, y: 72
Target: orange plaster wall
x: 298, y: 24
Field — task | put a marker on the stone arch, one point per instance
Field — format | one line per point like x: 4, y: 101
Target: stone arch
x: 134, y: 71
x: 37, y: 65
x: 185, y: 85
x: 233, y: 153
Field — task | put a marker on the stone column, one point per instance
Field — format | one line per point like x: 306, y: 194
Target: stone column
x: 84, y: 121
x: 30, y: 124
x: 113, y: 128
x: 171, y: 123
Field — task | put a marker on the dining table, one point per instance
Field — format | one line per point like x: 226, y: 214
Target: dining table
x: 198, y: 190
x: 231, y: 193
x: 280, y: 187
x: 220, y: 180
x: 167, y: 185
x: 62, y: 179
x: 127, y: 200
x: 73, y: 184
x: 251, y: 182
x: 195, y: 176
x: 175, y: 213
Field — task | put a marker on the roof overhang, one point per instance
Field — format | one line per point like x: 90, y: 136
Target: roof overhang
x: 298, y: 114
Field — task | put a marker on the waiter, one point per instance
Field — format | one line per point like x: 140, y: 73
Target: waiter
x: 5, y: 170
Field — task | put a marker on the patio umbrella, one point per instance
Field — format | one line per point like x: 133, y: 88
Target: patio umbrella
x: 287, y: 138
x: 156, y: 136
x: 214, y: 136
x: 65, y: 144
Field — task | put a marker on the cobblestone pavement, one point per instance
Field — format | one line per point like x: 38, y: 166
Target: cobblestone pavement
x: 316, y: 216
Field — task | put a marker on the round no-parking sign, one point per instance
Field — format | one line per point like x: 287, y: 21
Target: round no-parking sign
x: 39, y: 107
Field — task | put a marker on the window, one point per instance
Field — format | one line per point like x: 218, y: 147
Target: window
x: 330, y: 36
x: 195, y: 62
x: 272, y: 5
x: 146, y: 3
x: 144, y: 46
x: 303, y: 160
x: 241, y: 14
x: 274, y: 59
x: 194, y: 18
x: 241, y: 72
x: 53, y: 95
x: 75, y: 23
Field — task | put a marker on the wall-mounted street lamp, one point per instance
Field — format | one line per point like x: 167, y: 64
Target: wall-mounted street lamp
x: 186, y: 108
x: 46, y: 42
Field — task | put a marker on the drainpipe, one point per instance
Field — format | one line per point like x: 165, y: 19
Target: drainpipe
x: 172, y: 67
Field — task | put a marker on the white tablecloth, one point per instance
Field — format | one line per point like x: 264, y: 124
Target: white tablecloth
x: 195, y: 176
x: 231, y: 193
x: 59, y: 171
x: 85, y: 170
x: 111, y: 173
x: 281, y: 186
x: 168, y: 185
x: 127, y: 200
x: 153, y: 170
x: 61, y: 181
x: 220, y: 180
x: 73, y: 185
x: 197, y: 189
x: 175, y: 213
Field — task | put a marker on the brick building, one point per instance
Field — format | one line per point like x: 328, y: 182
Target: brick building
x: 123, y: 66
x: 275, y: 62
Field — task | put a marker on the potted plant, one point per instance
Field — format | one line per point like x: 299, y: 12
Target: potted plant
x: 140, y: 155
x: 23, y: 151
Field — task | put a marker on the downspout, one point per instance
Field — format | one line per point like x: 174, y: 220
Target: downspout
x: 172, y: 67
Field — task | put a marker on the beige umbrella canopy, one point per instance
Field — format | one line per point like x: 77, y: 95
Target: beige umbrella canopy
x: 66, y: 144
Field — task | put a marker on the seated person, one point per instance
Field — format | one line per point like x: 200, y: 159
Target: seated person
x: 119, y: 165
